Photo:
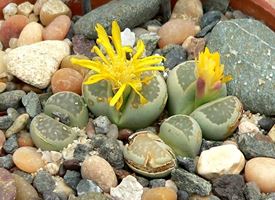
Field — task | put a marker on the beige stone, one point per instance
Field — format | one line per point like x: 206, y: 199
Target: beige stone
x: 37, y: 6
x: 33, y: 18
x: 193, y: 46
x: 261, y: 170
x: 9, y: 10
x: 220, y: 160
x: 25, y: 8
x: 188, y: 10
x: 160, y: 193
x: 51, y: 9
x: 100, y: 171
x: 30, y: 34
x: 246, y: 126
x: 3, y: 67
x: 66, y: 63
x: 271, y: 133
x: 13, y: 43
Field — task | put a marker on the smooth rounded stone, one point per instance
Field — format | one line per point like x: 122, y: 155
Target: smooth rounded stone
x: 252, y: 147
x: 13, y: 43
x: 144, y: 11
x: 67, y: 79
x: 85, y: 186
x: 266, y: 123
x: 11, y: 144
x: 182, y: 195
x: 203, y: 32
x: 187, y: 163
x: 228, y: 186
x: 188, y: 10
x: 10, y: 99
x: 102, y: 124
x: 57, y: 29
x: 217, y: 161
x: 7, y: 185
x: 157, y: 183
x: 43, y: 182
x: 24, y: 190
x: 174, y: 54
x: 5, y: 122
x: 30, y: 34
x: 143, y: 181
x: 160, y: 193
x: 6, y: 162
x: 12, y: 28
x: 2, y: 139
x: 25, y: 8
x: 3, y: 67
x: 18, y: 125
x: 38, y: 5
x: 32, y: 104
x: 261, y: 171
x: 124, y: 134
x: 72, y: 178
x: 52, y: 9
x: 193, y: 46
x: 190, y: 183
x: 73, y: 164
x: 100, y: 171
x: 209, y: 17
x: 24, y: 139
x: 28, y: 159
x: 113, y: 132
x: 9, y: 10
x: 252, y: 191
x: 66, y: 63
x: 129, y: 188
x: 41, y: 59
x: 83, y: 46
x: 176, y: 31
x: 252, y: 69
x: 220, y: 5
x: 26, y: 176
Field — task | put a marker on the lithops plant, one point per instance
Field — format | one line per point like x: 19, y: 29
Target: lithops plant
x: 123, y: 85
x: 148, y: 155
x: 218, y: 119
x: 183, y: 134
x: 49, y: 134
x: 69, y: 108
x: 192, y: 84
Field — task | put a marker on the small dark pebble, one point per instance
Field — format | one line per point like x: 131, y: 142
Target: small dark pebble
x: 266, y: 123
x: 124, y: 134
x: 182, y: 195
x: 5, y: 122
x: 32, y: 104
x: 73, y: 164
x: 252, y: 191
x: 11, y: 144
x: 174, y: 54
x: 50, y: 196
x: 207, y: 144
x: 143, y: 181
x: 28, y: 177
x: 72, y: 178
x: 209, y: 17
x: 82, y: 45
x: 86, y: 186
x: 10, y: 99
x: 187, y: 163
x: 61, y: 171
x: 157, y: 183
x: 220, y: 5
x: 81, y: 151
x: 6, y: 162
x: 44, y: 182
x: 207, y: 29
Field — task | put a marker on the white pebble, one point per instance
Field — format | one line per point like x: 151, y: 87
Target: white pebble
x: 128, y: 38
x: 10, y: 10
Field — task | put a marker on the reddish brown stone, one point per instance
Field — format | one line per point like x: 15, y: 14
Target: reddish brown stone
x: 260, y: 9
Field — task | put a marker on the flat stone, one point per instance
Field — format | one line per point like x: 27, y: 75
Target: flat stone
x: 174, y: 54
x: 209, y: 17
x: 43, y: 182
x: 190, y: 183
x: 32, y: 104
x: 193, y: 46
x: 35, y: 64
x: 10, y: 99
x: 229, y: 187
x: 187, y: 163
x: 5, y: 122
x: 128, y: 14
x: 85, y: 186
x: 11, y: 144
x: 6, y: 162
x: 72, y: 178
x: 7, y: 185
x: 28, y: 177
x: 82, y: 45
x: 247, y: 49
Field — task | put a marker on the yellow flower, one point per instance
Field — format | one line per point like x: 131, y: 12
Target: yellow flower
x: 120, y: 70
x: 209, y: 71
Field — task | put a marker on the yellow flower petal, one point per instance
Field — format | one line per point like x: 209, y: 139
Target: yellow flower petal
x: 118, y: 94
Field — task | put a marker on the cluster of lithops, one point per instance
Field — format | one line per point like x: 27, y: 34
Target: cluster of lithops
x: 53, y: 129
x: 123, y: 85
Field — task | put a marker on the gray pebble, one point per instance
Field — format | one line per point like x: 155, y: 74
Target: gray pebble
x: 72, y: 178
x: 102, y: 124
x: 157, y: 183
x: 5, y: 122
x: 207, y: 29
x: 32, y: 104
x: 50, y: 196
x: 11, y: 144
x: 182, y: 195
x: 252, y: 191
x: 12, y: 113
x: 174, y: 54
x: 209, y: 17
x: 28, y: 177
x: 150, y: 41
x: 86, y: 186
x: 81, y: 151
x: 6, y: 162
x: 43, y: 182
x: 266, y: 123
x: 143, y: 181
x: 10, y: 99
x: 187, y: 163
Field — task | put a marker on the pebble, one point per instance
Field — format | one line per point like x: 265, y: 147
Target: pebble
x: 13, y: 43
x: 128, y: 37
x: 160, y: 193
x: 217, y: 161
x: 220, y: 5
x: 73, y: 164
x: 102, y: 125
x: 18, y: 125
x: 10, y: 99
x: 3, y: 67
x: 11, y: 144
x: 35, y: 63
x: 206, y: 29
x: 66, y: 63
x: 9, y: 10
x: 150, y: 41
x: 5, y: 122
x: 171, y: 184
x: 24, y: 190
x: 129, y: 188
x: 228, y: 186
x: 43, y: 182
x: 176, y: 31
x: 28, y: 177
x: 193, y: 46
x: 182, y: 195
x: 261, y: 171
x: 266, y: 123
x: 72, y: 178
x: 100, y: 171
x: 25, y: 8
x: 38, y: 5
x: 81, y: 151
x: 252, y: 191
x: 50, y: 196
x: 113, y: 132
x: 237, y: 14
x: 52, y: 9
x: 157, y: 183
x: 57, y: 29
x: 6, y: 162
x: 67, y: 79
x: 33, y: 18
x: 271, y: 133
x: 7, y: 185
x: 209, y: 17
x: 12, y: 28
x: 62, y: 188
x: 2, y: 139
x: 143, y: 181
x: 3, y: 87
x: 124, y: 134
x: 92, y: 196
x: 140, y: 31
x: 188, y: 10
x: 174, y: 54
x: 83, y: 46
x: 32, y: 104
x: 85, y: 186
x: 28, y: 159
x: 31, y: 33
x: 187, y: 163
